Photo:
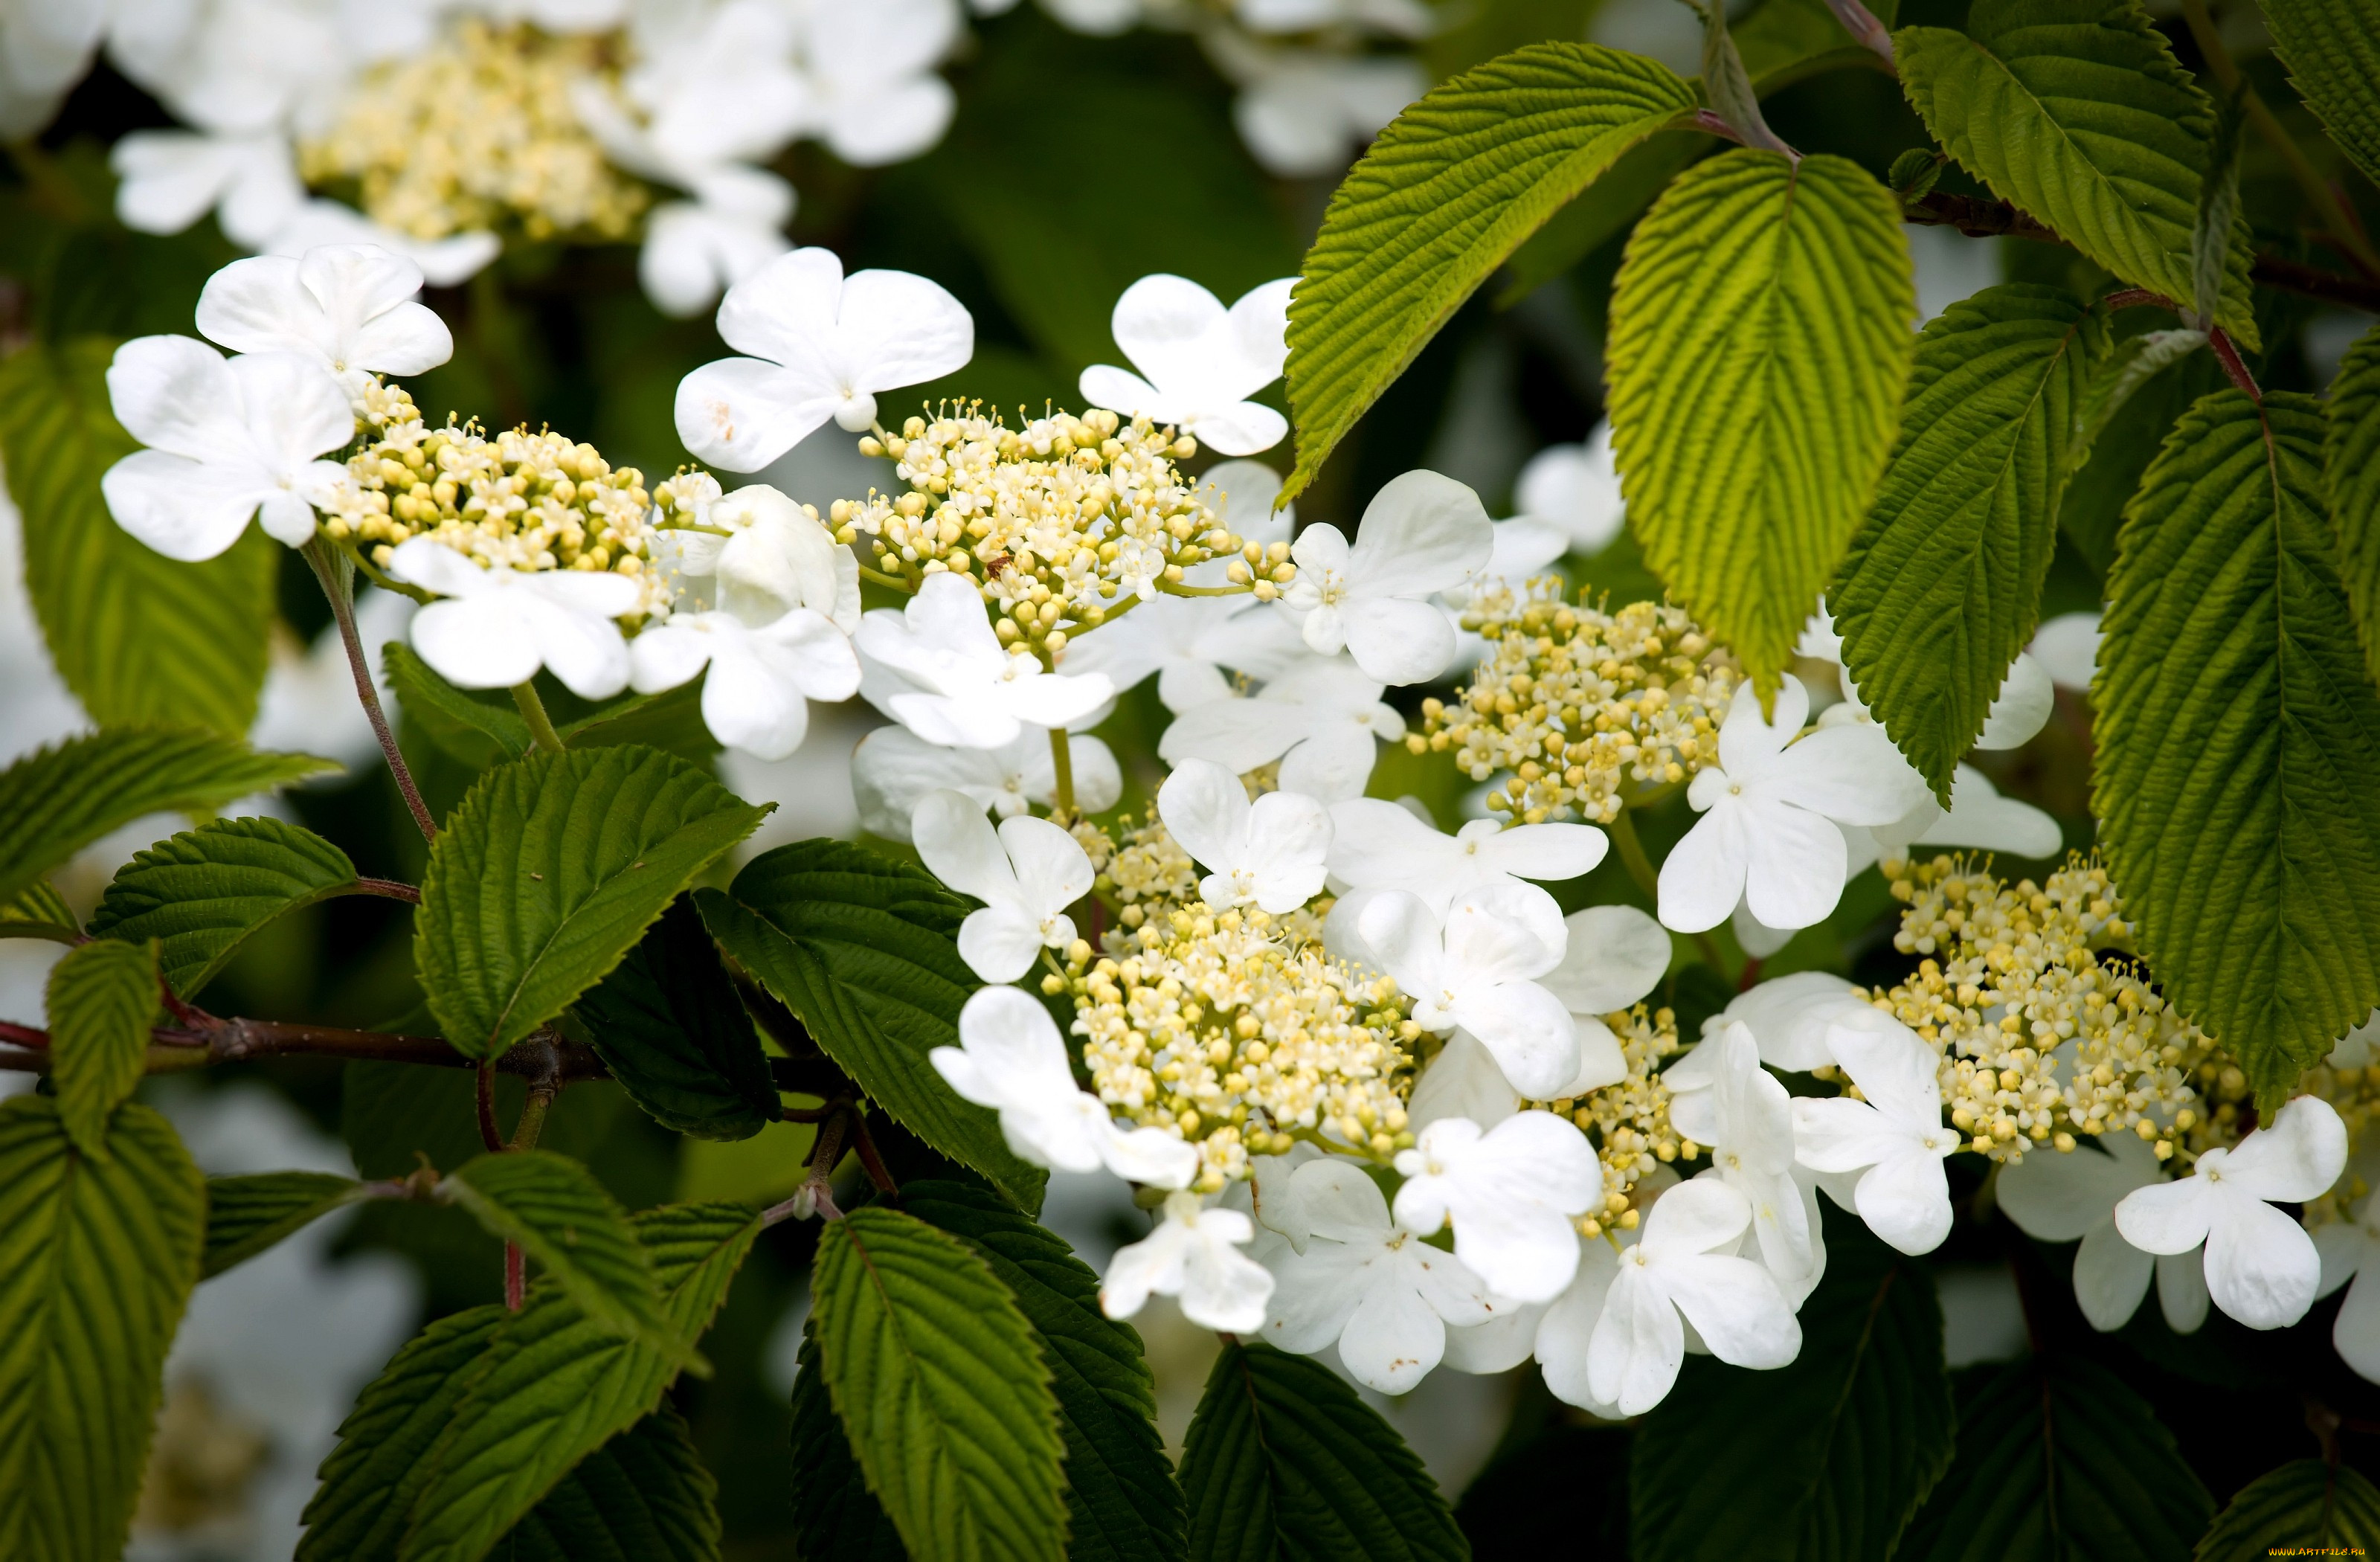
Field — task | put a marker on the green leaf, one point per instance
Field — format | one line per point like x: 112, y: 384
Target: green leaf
x: 2076, y: 112
x: 549, y: 873
x: 202, y: 893
x: 2332, y: 48
x: 2219, y: 215
x: 935, y: 1373
x: 2351, y: 453
x: 668, y: 1024
x: 2124, y: 444
x: 863, y: 950
x: 1122, y: 1499
x: 1942, y: 586
x: 1283, y: 1460
x: 483, y: 726
x: 101, y: 1000
x: 644, y: 1497
x: 836, y: 1519
x: 247, y: 1214
x: 138, y: 637
x: 2059, y: 1462
x: 2306, y: 1506
x: 96, y: 1261
x: 1828, y: 1456
x: 39, y: 911
x: 1445, y: 194
x: 55, y: 802
x: 1759, y: 349
x: 2239, y: 741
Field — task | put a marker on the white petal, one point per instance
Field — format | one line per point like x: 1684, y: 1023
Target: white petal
x: 1000, y: 943
x: 1239, y: 428
x: 2181, y: 1290
x: 1790, y: 1016
x: 1396, y: 640
x: 2167, y: 1217
x: 2356, y: 1334
x: 1748, y: 741
x: 1735, y: 1305
x: 1333, y: 765
x: 1103, y: 385
x: 742, y: 413
x: 1052, y: 869
x: 1288, y: 836
x: 1852, y: 773
x: 2295, y: 1157
x: 1907, y: 1202
x: 2021, y: 708
x: 2057, y: 1198
x: 1223, y: 1289
x: 900, y: 329
x: 2110, y: 1274
x: 1394, y: 1339
x: 1794, y: 866
x: 1504, y: 931
x: 1421, y: 533
x: 1149, y: 1155
x: 1703, y: 877
x: 1206, y: 809
x: 2261, y: 1266
x: 476, y: 642
x: 1528, y: 1032
x: 1565, y: 1333
x: 182, y: 509
x: 1153, y: 1264
x: 2068, y: 647
x: 1638, y: 1345
x: 1616, y: 956
x: 1462, y: 1081
x: 961, y: 849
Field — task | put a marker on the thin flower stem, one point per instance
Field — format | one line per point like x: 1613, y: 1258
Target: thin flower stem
x: 339, y: 589
x: 863, y: 1144
x: 376, y: 575
x: 532, y: 710
x: 898, y: 583
x: 388, y: 889
x: 1172, y: 588
x: 1631, y: 855
x: 1062, y: 760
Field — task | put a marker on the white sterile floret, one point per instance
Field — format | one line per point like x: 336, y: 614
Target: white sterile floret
x: 2262, y: 1268
x: 1895, y: 1138
x: 1026, y: 874
x: 893, y: 767
x: 1193, y: 1254
x: 1186, y: 642
x: 1302, y: 112
x: 498, y: 626
x: 2349, y: 1249
x: 1770, y: 808
x: 168, y: 179
x: 1198, y: 362
x: 1319, y: 719
x: 972, y: 693
x: 874, y: 98
x: 1575, y: 488
x: 1011, y: 1058
x: 226, y: 440
x: 696, y: 249
x: 1381, y: 845
x: 351, y: 306
x: 1741, y: 1112
x: 2055, y: 1198
x: 1510, y: 1192
x: 1684, y: 1263
x: 1421, y: 534
x: 762, y: 676
x: 1789, y: 1018
x: 819, y: 346
x: 2067, y: 649
x: 1476, y: 971
x: 1269, y: 853
x: 1377, y: 1289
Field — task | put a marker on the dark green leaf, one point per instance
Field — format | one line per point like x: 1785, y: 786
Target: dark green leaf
x: 644, y: 1497
x: 2351, y: 451
x: 2332, y: 48
x: 101, y: 1000
x: 835, y: 1519
x: 668, y: 1024
x: 2306, y: 1507
x: 202, y: 893
x: 39, y: 911
x: 247, y: 1214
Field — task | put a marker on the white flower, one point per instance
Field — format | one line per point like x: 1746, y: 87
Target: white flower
x: 694, y: 248
x: 1677, y: 1266
x: 1380, y: 845
x: 1462, y: 1081
x: 762, y: 676
x: 974, y: 694
x: 1616, y: 954
x: 350, y: 306
x: 1268, y: 852
x: 1790, y: 1016
x: 1010, y: 1058
x: 776, y: 558
x: 1422, y: 533
x: 1978, y: 817
x: 1895, y: 1138
x: 1186, y: 642
x: 1384, y: 1295
x: 1202, y: 362
x: 168, y: 179
x: 1741, y: 1112
x: 1318, y: 719
x: 893, y: 767
x: 1563, y: 1331
x: 874, y: 96
x: 1575, y: 488
x: 1302, y: 112
x: 1026, y: 874
x: 2350, y: 1250
x: 2057, y: 1198
x: 1510, y: 1192
x: 2261, y: 1266
x: 2067, y: 649
x: 228, y: 441
x: 821, y: 345
x: 1476, y: 972
x: 498, y: 626
x: 1770, y: 807
x: 45, y: 48
x: 443, y: 262
x: 1192, y: 1255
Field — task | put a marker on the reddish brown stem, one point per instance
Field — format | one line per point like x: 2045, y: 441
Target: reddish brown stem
x: 388, y: 889
x: 343, y: 609
x: 516, y: 1277
x: 485, y: 1101
x: 863, y: 1144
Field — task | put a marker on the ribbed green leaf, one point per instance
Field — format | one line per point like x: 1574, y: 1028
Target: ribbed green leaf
x: 39, y: 911
x: 835, y: 1519
x: 644, y: 1497
x: 140, y: 638
x: 937, y: 1377
x: 101, y: 1000
x: 2058, y: 1461
x: 1942, y: 586
x: 1122, y: 1499
x: 1445, y: 194
x: 1759, y: 349
x: 202, y: 893
x: 56, y: 802
x: 1829, y: 1456
x: 668, y: 1024
x: 2332, y: 48
x: 2351, y: 453
x: 247, y: 1214
x: 549, y: 873
x: 2077, y: 112
x: 863, y: 949
x: 1283, y: 1460
x: 2306, y: 1506
x: 2238, y: 740
x: 96, y: 1261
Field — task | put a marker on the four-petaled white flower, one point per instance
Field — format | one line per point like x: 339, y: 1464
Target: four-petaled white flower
x: 1201, y: 362
x: 874, y: 98
x: 1731, y: 1104
x: 1895, y: 1138
x: 1319, y: 719
x: 1186, y: 642
x: 2057, y: 1198
x: 1381, y: 845
x: 1510, y: 1192
x: 893, y: 767
x: 971, y: 692
x: 819, y: 345
x: 2262, y: 1268
x: 1476, y: 971
x: 1302, y: 112
x: 1193, y: 1254
x: 1421, y: 534
x: 498, y: 626
x: 1269, y: 853
x: 1789, y: 1018
x: 226, y: 440
x: 1576, y: 488
x: 351, y: 306
x: 168, y: 179
x: 1683, y: 1263
x: 1026, y: 874
x: 762, y: 676
x: 694, y: 248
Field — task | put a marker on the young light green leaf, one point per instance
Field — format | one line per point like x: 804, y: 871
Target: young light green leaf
x: 247, y: 1214
x: 1942, y: 586
x: 835, y: 1519
x: 549, y: 873
x: 2239, y: 741
x: 644, y: 1497
x: 1284, y: 1461
x: 55, y: 801
x: 96, y: 1261
x: 2076, y: 112
x: 862, y: 948
x: 101, y: 1000
x: 2307, y: 1508
x: 140, y: 638
x: 39, y: 911
x: 1445, y: 194
x: 668, y: 1024
x: 1759, y: 347
x: 1729, y: 86
x: 2350, y: 458
x: 937, y: 1377
x: 2332, y: 48
x: 201, y: 893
